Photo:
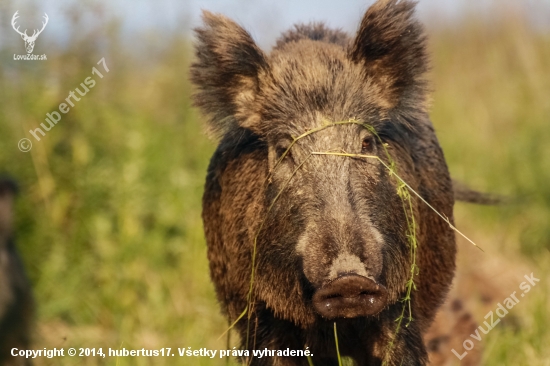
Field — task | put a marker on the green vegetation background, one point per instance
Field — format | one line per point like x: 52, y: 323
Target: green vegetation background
x: 108, y: 222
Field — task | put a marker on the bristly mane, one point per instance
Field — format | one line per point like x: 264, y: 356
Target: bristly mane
x: 315, y: 31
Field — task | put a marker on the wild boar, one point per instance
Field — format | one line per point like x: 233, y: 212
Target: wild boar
x: 305, y: 220
x: 16, y: 301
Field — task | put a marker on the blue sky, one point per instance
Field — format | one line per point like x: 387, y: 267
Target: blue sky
x: 264, y: 19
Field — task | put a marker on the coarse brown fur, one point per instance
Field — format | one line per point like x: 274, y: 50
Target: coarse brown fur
x: 334, y: 216
x: 16, y: 302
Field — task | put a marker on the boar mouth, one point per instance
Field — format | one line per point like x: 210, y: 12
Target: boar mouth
x: 350, y: 296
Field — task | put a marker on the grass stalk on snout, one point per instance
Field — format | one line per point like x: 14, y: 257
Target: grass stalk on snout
x: 337, y: 346
x: 406, y: 200
x: 252, y: 276
x: 253, y: 260
x: 403, y: 191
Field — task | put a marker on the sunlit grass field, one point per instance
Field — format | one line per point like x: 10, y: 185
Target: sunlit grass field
x: 108, y: 221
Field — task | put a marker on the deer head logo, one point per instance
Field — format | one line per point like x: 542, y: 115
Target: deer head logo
x: 29, y: 41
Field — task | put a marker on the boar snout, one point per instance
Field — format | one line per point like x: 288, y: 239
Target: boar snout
x: 350, y: 296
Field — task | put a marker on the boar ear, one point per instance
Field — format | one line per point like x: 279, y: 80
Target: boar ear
x: 390, y: 44
x: 226, y: 74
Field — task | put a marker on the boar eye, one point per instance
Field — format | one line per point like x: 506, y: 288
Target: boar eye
x: 281, y: 151
x: 367, y: 146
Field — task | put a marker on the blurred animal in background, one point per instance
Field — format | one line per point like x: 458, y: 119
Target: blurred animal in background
x: 16, y: 300
x: 452, y: 326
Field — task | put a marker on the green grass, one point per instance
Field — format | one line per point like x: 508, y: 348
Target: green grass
x: 109, y: 222
x: 491, y: 112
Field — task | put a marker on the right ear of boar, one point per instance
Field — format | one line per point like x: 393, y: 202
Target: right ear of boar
x: 226, y: 74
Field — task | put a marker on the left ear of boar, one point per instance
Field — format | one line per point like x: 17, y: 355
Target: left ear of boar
x: 226, y: 74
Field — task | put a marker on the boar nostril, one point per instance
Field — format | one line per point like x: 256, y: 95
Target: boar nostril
x: 367, y: 293
x: 350, y: 296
